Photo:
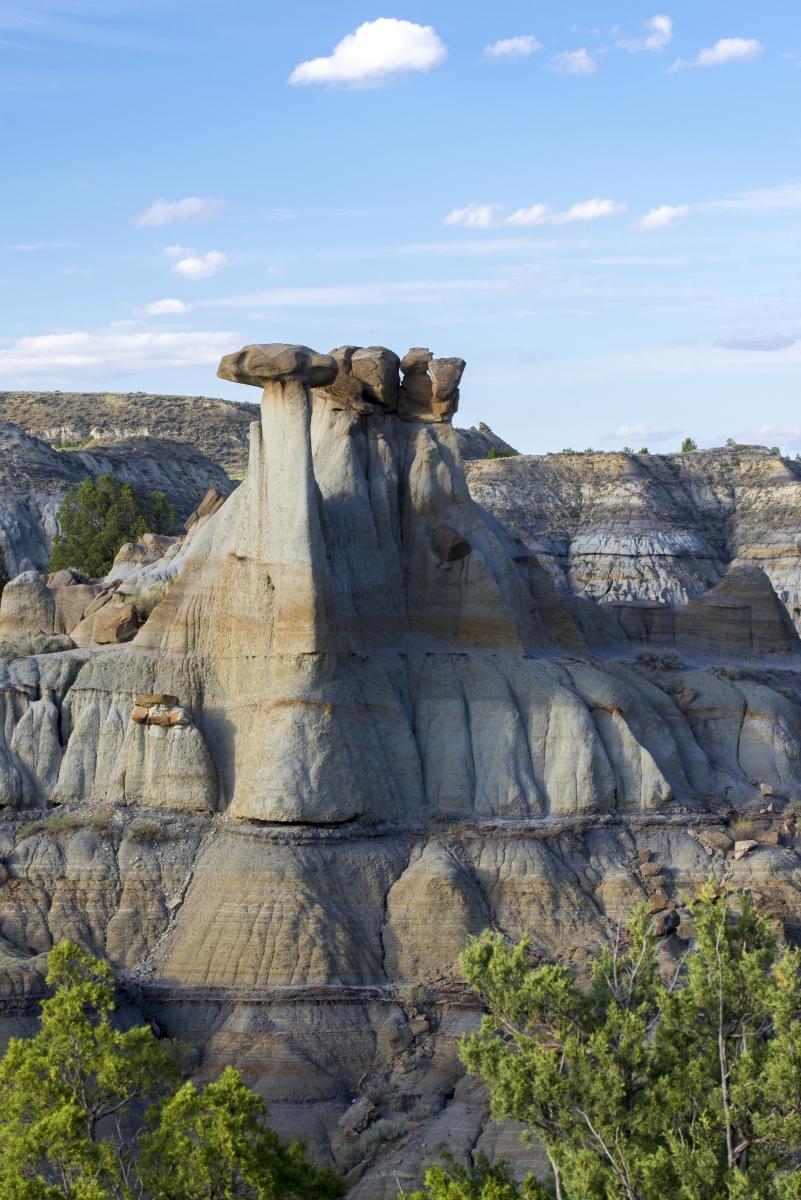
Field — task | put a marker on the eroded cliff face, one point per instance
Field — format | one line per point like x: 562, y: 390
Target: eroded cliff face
x: 657, y: 528
x: 362, y: 725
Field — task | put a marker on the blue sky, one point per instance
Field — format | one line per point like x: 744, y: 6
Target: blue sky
x: 597, y: 205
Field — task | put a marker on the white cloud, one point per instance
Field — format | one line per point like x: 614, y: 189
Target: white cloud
x: 588, y: 210
x: 535, y: 215
x: 663, y: 216
x: 573, y: 62
x: 726, y: 50
x: 165, y: 308
x: 375, y: 53
x: 730, y: 50
x: 474, y: 216
x: 110, y: 351
x: 488, y: 216
x: 658, y: 36
x: 514, y: 47
x: 192, y: 210
x: 200, y: 266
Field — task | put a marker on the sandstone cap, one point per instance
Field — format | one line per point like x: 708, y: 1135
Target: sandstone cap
x: 273, y: 361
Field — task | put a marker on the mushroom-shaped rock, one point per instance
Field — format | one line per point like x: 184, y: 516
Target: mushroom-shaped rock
x: 280, y: 519
x: 376, y: 368
x: 273, y: 362
x: 430, y: 388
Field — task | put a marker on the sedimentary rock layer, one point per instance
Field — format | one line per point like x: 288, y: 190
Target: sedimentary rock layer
x: 652, y: 527
x: 361, y: 725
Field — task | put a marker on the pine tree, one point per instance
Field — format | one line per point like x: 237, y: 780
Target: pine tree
x: 642, y: 1089
x: 92, y: 1112
x: 98, y: 516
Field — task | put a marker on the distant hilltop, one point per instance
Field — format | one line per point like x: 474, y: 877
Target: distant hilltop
x: 218, y: 428
x: 75, y: 420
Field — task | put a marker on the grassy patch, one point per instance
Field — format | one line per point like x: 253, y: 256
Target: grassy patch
x: 743, y: 829
x: 142, y: 830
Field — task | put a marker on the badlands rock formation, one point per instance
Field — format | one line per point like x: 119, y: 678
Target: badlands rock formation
x: 658, y: 528
x: 361, y: 725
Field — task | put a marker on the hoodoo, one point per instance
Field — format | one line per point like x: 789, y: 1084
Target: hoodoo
x: 362, y: 724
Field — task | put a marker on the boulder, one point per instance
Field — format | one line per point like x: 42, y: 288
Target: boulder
x: 27, y: 606
x: 448, y: 545
x: 716, y: 838
x: 376, y: 368
x: 65, y: 578
x: 356, y: 1118
x: 114, y: 623
x: 430, y: 387
x: 211, y: 502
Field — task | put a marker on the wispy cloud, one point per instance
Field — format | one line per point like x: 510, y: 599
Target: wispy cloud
x: 377, y: 52
x: 765, y: 343
x: 785, y: 198
x: 657, y: 37
x: 689, y: 361
x: 35, y: 247
x: 513, y: 47
x: 191, y: 210
x: 109, y: 351
x: 86, y: 21
x: 490, y: 216
x: 786, y: 436
x: 573, y: 62
x: 724, y: 51
x: 663, y: 216
x: 586, y: 210
x: 641, y: 432
x: 361, y: 294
